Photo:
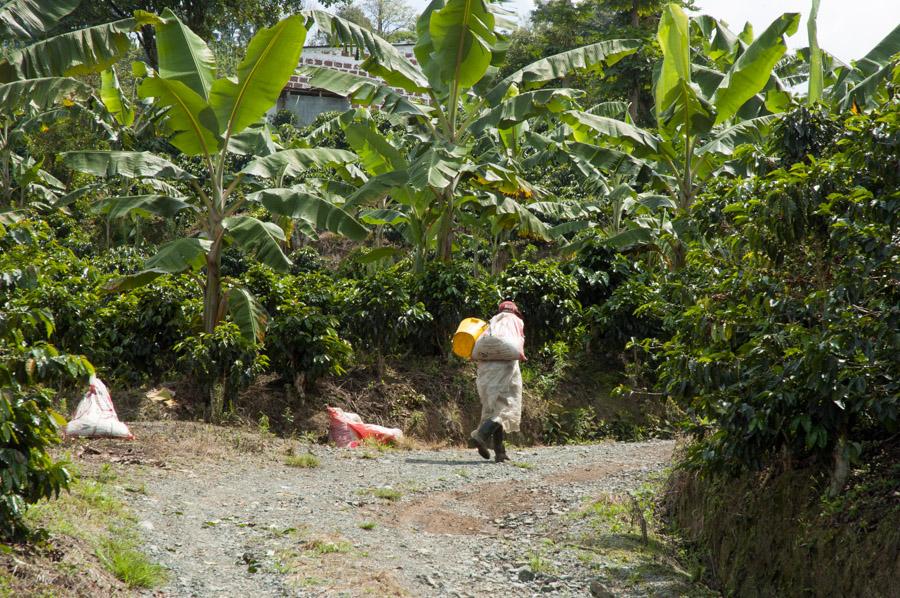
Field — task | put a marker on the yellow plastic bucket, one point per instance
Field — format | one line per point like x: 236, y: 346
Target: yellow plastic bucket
x: 468, y: 332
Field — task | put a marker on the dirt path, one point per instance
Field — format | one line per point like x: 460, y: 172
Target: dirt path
x: 228, y: 517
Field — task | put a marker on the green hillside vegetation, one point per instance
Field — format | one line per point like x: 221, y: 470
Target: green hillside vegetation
x: 699, y: 225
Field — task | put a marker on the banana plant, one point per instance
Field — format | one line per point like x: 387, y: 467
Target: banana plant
x: 863, y: 85
x: 452, y: 100
x: 699, y: 111
x: 211, y: 118
x: 36, y: 77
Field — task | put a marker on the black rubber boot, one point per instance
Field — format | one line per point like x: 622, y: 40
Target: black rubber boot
x: 483, y: 435
x: 499, y: 450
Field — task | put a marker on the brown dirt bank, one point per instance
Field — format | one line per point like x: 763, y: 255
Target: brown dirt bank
x: 775, y: 533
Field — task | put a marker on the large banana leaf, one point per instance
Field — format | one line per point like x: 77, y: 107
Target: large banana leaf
x: 112, y: 97
x: 377, y: 188
x: 384, y: 217
x: 609, y: 109
x: 595, y: 56
x: 724, y: 42
x: 247, y: 313
x: 587, y: 127
x: 860, y: 84
x: 188, y: 118
x: 183, y: 56
x: 180, y: 255
x: 816, y: 71
x: 362, y: 91
x: 674, y: 41
x: 40, y: 94
x: 142, y: 205
x: 75, y: 53
x: 270, y: 60
x: 521, y: 107
x: 881, y: 54
x: 23, y: 19
x: 133, y: 165
x: 864, y: 93
x: 254, y: 141
x: 631, y: 238
x: 707, y: 79
x: 309, y: 208
x: 173, y: 257
x: 463, y: 38
x: 383, y: 59
x: 436, y: 168
x: 609, y: 160
x: 562, y: 210
x: 725, y: 141
x: 258, y: 238
x: 76, y: 194
x: 688, y: 110
x: 752, y: 70
x: 294, y: 161
x: 511, y: 214
x: 375, y: 153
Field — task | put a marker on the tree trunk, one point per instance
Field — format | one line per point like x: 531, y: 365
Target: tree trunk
x: 841, y: 470
x: 445, y: 233
x: 634, y: 101
x: 216, y: 401
x: 212, y: 297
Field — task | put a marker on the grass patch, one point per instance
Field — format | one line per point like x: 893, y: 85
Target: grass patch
x: 90, y: 512
x: 121, y: 557
x: 321, y: 546
x: 372, y: 444
x: 539, y: 564
x: 306, y: 460
x: 367, y: 525
x: 388, y: 494
x: 522, y: 464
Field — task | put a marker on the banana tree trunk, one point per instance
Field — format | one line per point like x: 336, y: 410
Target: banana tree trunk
x: 213, y: 294
x: 445, y: 231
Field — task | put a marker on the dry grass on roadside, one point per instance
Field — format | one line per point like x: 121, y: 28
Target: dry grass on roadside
x: 323, y: 563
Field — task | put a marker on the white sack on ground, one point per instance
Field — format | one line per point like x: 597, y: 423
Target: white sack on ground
x: 499, y: 386
x: 96, y: 417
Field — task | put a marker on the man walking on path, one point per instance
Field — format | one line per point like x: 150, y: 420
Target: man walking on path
x: 499, y: 380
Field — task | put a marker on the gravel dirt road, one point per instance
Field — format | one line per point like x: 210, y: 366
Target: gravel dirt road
x: 228, y: 516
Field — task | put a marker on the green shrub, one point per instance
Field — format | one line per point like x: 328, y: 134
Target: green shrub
x: 632, y: 311
x: 378, y: 312
x: 222, y: 362
x: 788, y: 344
x: 304, y: 345
x: 306, y: 259
x: 28, y: 423
x: 547, y: 297
x: 450, y: 293
x: 137, y: 330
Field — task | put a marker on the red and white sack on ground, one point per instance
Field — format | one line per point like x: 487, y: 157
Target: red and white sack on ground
x: 504, y: 340
x: 346, y: 429
x: 339, y: 430
x: 96, y: 417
